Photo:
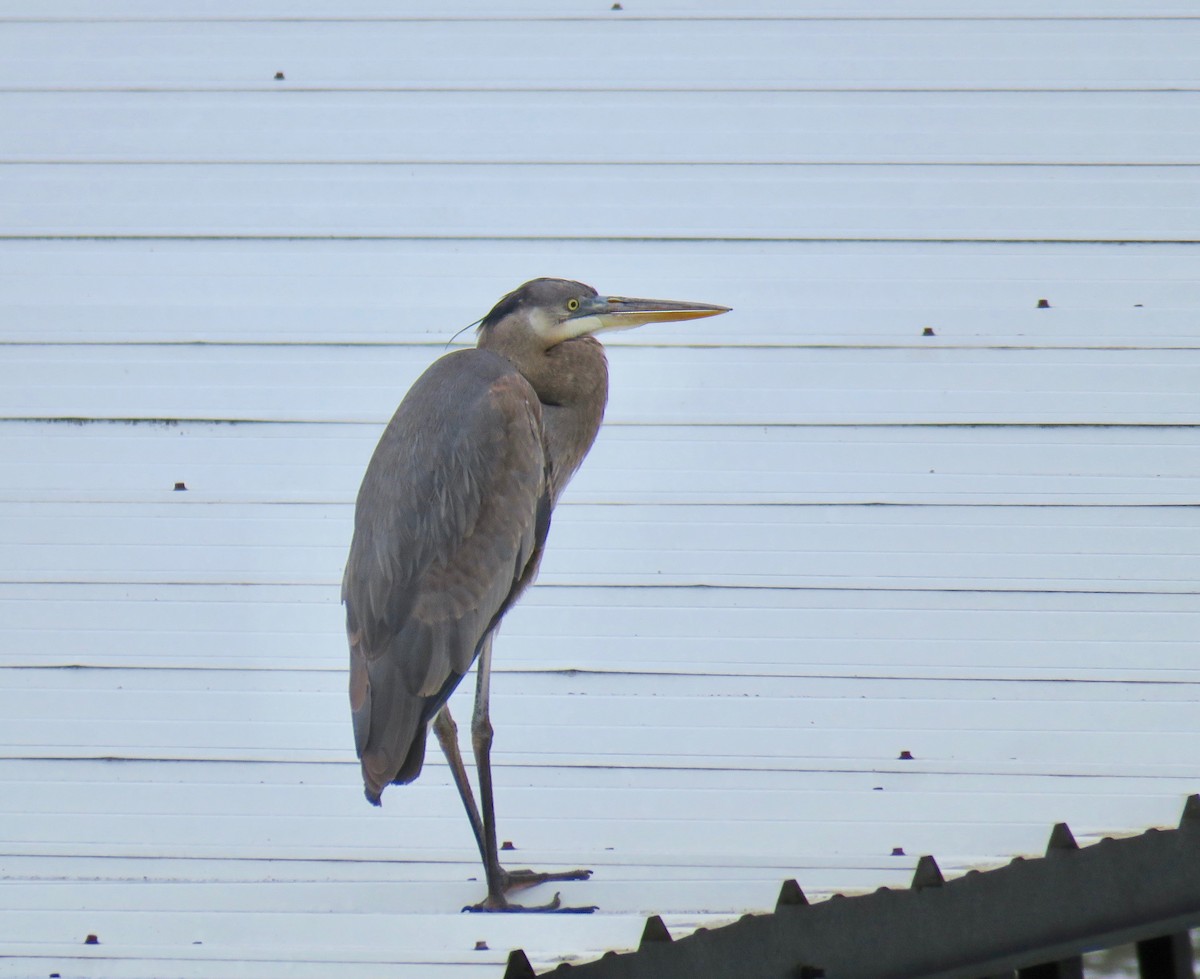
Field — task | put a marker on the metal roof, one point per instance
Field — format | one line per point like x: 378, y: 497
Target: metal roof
x: 898, y: 558
x: 1030, y: 918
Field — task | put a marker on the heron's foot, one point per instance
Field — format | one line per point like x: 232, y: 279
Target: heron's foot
x: 504, y: 906
x: 519, y: 880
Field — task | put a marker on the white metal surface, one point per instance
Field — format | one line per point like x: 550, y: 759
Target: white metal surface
x: 787, y: 293
x: 1032, y: 127
x: 887, y: 506
x: 754, y: 202
x: 490, y: 53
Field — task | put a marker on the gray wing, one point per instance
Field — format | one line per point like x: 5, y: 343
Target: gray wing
x: 449, y: 526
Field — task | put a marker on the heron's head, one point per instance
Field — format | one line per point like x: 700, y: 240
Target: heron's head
x: 555, y: 310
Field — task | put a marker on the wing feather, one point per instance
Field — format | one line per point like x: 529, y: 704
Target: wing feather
x: 449, y: 527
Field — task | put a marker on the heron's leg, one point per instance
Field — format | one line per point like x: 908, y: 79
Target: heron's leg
x: 481, y: 741
x: 447, y: 735
x: 499, y: 880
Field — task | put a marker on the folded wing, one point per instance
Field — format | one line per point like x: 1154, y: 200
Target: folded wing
x: 449, y: 527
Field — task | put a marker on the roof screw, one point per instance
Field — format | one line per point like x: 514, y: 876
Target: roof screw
x: 927, y: 332
x: 1043, y: 304
x: 905, y: 756
x: 279, y: 76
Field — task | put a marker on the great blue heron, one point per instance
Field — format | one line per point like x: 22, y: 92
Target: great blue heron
x: 450, y: 524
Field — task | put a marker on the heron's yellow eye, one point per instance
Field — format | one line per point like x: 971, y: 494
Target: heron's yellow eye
x: 572, y: 304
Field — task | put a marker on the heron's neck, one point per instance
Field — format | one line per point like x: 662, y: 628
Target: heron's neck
x: 571, y: 381
x: 573, y: 393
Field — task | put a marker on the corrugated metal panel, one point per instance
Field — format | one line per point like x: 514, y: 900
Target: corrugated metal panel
x: 926, y: 547
x: 758, y: 202
x: 1053, y: 636
x: 696, y: 127
x: 187, y: 11
x: 813, y: 537
x: 633, y: 463
x: 492, y: 54
x: 709, y: 386
x: 786, y: 293
x: 357, y: 10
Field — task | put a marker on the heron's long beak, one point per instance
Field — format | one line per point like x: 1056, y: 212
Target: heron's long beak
x: 607, y: 313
